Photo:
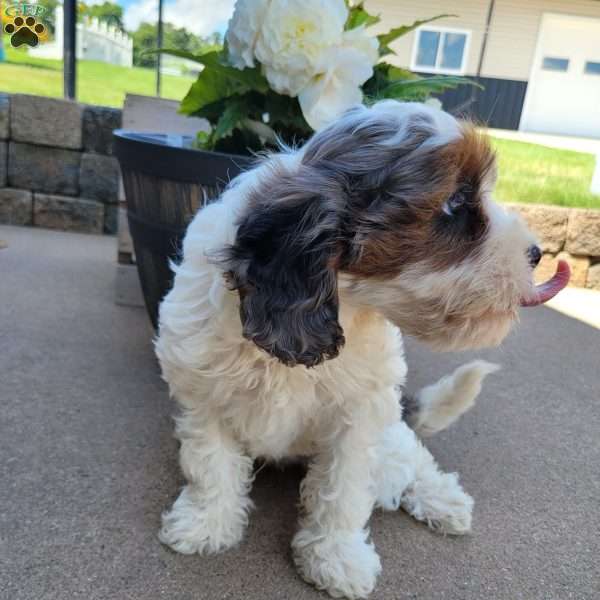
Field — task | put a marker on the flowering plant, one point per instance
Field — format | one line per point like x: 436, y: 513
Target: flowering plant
x: 289, y: 67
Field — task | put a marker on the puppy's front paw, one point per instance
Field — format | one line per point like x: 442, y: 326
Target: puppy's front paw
x: 441, y: 502
x: 342, y: 563
x: 194, y: 527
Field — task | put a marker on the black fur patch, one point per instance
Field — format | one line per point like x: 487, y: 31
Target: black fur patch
x: 282, y: 266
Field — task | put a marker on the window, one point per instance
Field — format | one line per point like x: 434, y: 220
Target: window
x: 440, y: 50
x: 551, y: 63
x: 592, y: 68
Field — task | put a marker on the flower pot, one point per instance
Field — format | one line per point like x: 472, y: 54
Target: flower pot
x: 166, y: 182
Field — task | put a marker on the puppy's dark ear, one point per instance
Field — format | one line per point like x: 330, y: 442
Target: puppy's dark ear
x: 283, y: 265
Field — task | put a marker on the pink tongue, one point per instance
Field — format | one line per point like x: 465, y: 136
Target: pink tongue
x: 545, y: 291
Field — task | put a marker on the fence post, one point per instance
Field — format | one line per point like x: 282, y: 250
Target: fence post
x: 159, y: 43
x: 69, y: 58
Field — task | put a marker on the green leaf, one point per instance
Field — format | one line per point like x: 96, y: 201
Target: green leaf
x: 238, y: 127
x: 387, y: 38
x: 383, y: 74
x: 204, y: 59
x: 285, y: 111
x: 209, y: 87
x: 216, y: 59
x: 359, y: 16
x: 203, y: 140
x: 397, y: 73
x: 218, y: 80
x: 422, y: 87
x: 232, y: 116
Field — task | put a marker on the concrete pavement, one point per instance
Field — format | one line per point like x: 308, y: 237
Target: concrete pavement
x: 564, y: 142
x: 579, y: 303
x: 88, y: 462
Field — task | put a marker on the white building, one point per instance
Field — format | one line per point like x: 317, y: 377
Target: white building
x: 539, y: 60
x: 95, y: 41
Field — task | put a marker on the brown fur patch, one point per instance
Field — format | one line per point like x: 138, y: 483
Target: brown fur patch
x: 409, y: 225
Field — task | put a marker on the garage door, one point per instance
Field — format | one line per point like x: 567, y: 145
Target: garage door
x: 563, y: 95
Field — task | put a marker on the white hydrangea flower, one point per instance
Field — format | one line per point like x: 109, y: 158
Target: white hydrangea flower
x: 341, y: 71
x: 336, y: 89
x: 243, y: 30
x: 360, y: 39
x: 294, y: 35
x: 305, y: 52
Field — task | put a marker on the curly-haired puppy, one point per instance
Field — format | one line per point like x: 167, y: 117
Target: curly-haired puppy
x: 281, y: 335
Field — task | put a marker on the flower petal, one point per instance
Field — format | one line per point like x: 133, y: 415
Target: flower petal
x: 337, y: 88
x: 243, y: 30
x: 360, y: 40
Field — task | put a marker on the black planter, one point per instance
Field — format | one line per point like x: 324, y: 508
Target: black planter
x: 166, y: 182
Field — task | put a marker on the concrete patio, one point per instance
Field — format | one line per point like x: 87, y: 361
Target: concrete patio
x: 88, y: 462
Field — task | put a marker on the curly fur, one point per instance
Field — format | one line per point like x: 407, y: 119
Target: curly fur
x: 318, y: 258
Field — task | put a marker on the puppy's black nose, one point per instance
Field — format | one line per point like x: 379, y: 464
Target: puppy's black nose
x: 535, y: 255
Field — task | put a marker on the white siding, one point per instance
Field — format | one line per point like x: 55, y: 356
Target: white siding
x: 472, y: 16
x: 513, y: 34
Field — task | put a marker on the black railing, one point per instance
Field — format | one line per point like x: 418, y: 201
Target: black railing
x: 69, y: 49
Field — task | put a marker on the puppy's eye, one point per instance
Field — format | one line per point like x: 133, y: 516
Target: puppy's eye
x: 454, y: 203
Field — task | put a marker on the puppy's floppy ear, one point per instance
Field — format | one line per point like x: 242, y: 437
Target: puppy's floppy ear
x: 283, y: 265
x: 296, y: 233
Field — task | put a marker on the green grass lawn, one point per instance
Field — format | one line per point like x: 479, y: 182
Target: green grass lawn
x: 537, y: 174
x: 97, y: 82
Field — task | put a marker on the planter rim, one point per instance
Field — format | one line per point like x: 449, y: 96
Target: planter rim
x: 165, y: 156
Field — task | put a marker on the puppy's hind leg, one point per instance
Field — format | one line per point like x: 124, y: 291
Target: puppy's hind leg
x: 211, y: 512
x: 409, y: 477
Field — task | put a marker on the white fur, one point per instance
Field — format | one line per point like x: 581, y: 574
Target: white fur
x: 443, y: 402
x: 238, y: 403
x: 409, y: 477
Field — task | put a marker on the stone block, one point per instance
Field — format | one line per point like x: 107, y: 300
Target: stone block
x: 68, y: 214
x: 15, y: 207
x: 4, y: 117
x: 579, y: 268
x: 46, y: 121
x: 3, y: 163
x: 99, y: 177
x: 37, y: 168
x: 583, y: 235
x: 549, y: 223
x: 593, y: 278
x: 98, y: 125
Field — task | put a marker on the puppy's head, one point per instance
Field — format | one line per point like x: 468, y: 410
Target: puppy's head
x: 391, y: 207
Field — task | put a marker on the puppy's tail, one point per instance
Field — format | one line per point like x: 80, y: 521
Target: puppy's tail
x: 437, y: 406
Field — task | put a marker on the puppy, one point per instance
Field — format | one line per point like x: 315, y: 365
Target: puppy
x: 281, y: 335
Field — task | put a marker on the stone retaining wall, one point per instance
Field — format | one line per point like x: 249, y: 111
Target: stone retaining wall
x: 572, y: 234
x: 56, y: 164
